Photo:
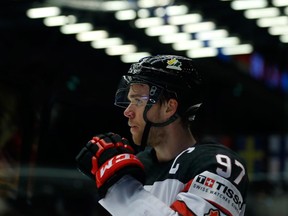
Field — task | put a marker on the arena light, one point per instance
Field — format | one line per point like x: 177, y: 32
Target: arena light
x: 183, y: 30
x: 244, y: 4
x: 153, y: 3
x: 115, y: 5
x: 208, y: 35
x: 173, y: 38
x: 161, y: 30
x: 59, y: 20
x: 202, y: 52
x: 176, y: 10
x: 198, y: 27
x: 76, y: 28
x: 92, y: 35
x: 148, y: 22
x: 284, y: 38
x: 278, y: 30
x: 260, y: 13
x: 133, y: 57
x: 147, y: 4
x: 184, y: 19
x: 125, y: 15
x: 143, y: 13
x: 85, y: 31
x: 41, y: 12
x: 280, y: 3
x: 121, y: 49
x: 224, y: 42
x: 237, y: 50
x: 172, y: 24
x: 159, y: 12
x: 272, y: 21
x: 286, y: 10
x: 106, y: 42
x: 187, y: 45
x: 272, y: 16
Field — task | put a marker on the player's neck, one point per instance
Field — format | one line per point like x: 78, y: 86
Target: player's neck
x: 177, y: 140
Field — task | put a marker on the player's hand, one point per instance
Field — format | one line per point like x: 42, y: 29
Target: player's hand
x: 108, y: 157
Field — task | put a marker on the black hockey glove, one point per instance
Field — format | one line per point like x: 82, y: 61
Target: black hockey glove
x: 106, y: 158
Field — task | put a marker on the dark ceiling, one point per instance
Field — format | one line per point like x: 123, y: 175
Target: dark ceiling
x: 68, y: 87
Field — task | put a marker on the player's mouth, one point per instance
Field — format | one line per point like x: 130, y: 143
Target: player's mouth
x: 133, y: 129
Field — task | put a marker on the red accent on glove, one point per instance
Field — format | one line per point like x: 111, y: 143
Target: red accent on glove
x: 110, y: 167
x: 94, y: 165
x: 102, y: 145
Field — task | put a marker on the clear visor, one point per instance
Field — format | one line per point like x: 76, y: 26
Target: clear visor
x: 138, y: 92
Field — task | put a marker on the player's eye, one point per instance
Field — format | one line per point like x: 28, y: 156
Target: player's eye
x: 139, y: 101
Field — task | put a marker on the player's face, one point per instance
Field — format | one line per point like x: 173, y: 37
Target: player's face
x: 138, y: 96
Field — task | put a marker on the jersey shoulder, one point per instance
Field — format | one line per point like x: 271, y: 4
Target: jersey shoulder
x: 212, y: 157
x: 206, y: 150
x: 218, y: 159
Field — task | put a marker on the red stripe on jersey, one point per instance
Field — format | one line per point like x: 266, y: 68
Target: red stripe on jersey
x: 181, y: 208
x: 187, y: 186
x: 220, y: 208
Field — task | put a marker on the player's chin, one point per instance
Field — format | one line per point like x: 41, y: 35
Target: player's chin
x: 136, y: 139
x: 136, y: 135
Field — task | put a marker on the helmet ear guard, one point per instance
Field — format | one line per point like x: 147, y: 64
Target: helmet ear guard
x: 190, y: 114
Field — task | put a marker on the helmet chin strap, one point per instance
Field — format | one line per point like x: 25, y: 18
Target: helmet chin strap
x: 149, y: 124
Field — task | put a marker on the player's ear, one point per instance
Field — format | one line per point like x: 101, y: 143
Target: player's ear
x: 172, y: 106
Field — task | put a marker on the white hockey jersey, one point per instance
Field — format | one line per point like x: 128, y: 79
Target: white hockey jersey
x: 206, y: 180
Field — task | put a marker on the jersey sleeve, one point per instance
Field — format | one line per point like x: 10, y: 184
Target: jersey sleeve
x: 209, y: 194
x: 128, y: 198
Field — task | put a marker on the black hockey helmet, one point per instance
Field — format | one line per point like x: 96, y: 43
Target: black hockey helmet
x: 174, y: 74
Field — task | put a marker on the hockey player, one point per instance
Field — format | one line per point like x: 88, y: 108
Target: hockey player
x: 175, y: 174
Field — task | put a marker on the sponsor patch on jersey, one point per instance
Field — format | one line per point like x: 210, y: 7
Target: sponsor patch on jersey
x: 212, y: 212
x: 218, y: 190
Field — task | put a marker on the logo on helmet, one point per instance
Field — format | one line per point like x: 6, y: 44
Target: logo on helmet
x: 135, y: 69
x: 174, y: 64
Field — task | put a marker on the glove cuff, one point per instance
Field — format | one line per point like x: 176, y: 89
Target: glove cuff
x: 115, y: 168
